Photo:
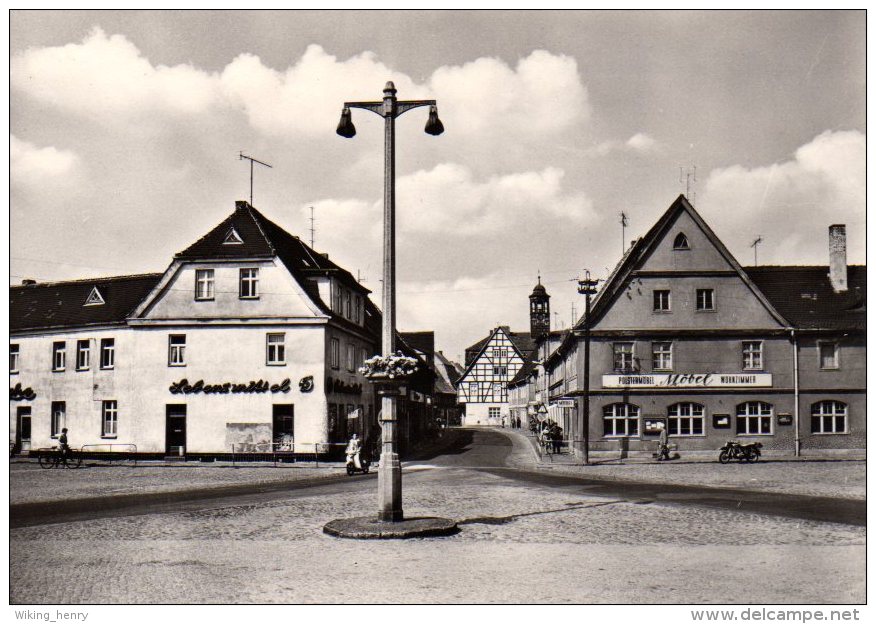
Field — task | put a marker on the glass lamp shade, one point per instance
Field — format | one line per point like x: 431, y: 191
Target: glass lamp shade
x: 434, y: 125
x: 345, y: 127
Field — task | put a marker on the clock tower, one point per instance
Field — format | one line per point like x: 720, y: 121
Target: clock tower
x: 539, y: 312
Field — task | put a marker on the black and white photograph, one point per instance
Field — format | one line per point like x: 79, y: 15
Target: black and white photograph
x: 437, y: 307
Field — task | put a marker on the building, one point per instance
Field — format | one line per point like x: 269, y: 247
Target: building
x: 683, y: 337
x: 249, y: 341
x: 445, y: 408
x: 494, y: 361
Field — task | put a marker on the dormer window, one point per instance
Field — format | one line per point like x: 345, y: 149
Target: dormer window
x: 680, y: 242
x: 94, y: 298
x: 232, y: 238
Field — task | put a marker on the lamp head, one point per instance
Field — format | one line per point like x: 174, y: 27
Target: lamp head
x: 345, y: 127
x: 434, y: 125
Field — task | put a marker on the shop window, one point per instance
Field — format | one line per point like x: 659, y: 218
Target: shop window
x: 59, y: 416
x: 83, y: 355
x: 276, y: 350
x: 662, y: 355
x: 754, y: 418
x: 249, y: 283
x: 828, y: 355
x: 830, y: 417
x: 176, y: 350
x: 686, y: 419
x: 705, y: 299
x: 107, y: 353
x: 623, y: 357
x: 752, y: 355
x: 59, y: 356
x: 680, y: 242
x: 110, y: 419
x: 620, y: 420
x: 14, y: 355
x: 661, y: 301
x: 204, y: 280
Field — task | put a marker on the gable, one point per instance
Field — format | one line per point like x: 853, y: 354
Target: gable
x: 498, y: 351
x: 94, y: 298
x: 701, y: 253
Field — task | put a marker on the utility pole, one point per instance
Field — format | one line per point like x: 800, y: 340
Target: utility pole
x: 251, y: 161
x: 586, y: 287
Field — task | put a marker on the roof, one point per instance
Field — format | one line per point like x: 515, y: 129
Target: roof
x: 804, y: 296
x: 62, y: 304
x: 423, y: 341
x: 523, y: 374
x: 448, y: 373
x: 522, y: 341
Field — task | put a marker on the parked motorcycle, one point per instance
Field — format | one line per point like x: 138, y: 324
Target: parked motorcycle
x: 357, y: 463
x: 743, y: 452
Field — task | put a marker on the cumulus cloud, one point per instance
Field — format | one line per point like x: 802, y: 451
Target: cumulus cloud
x: 449, y: 199
x: 34, y: 166
x: 823, y: 184
x: 641, y: 142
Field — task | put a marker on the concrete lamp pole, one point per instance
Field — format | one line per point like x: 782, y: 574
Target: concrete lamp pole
x: 389, y: 473
x: 586, y: 287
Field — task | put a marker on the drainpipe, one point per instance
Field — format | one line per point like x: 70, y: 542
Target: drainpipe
x: 796, y: 395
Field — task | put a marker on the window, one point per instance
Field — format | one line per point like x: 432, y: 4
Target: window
x: 500, y: 353
x: 276, y: 349
x: 59, y: 415
x: 620, y: 419
x: 500, y: 371
x: 828, y: 355
x: 494, y: 412
x: 13, y: 358
x: 249, y: 283
x: 204, y: 279
x: 661, y: 301
x: 752, y: 355
x: 686, y: 419
x: 348, y: 300
x: 662, y: 355
x: 336, y: 298
x: 83, y: 354
x: 59, y: 356
x: 176, y: 350
x: 474, y: 391
x: 358, y: 317
x: 335, y: 353
x: 830, y: 417
x: 107, y: 353
x: 110, y: 419
x: 623, y: 356
x: 705, y: 299
x: 351, y: 358
x: 680, y: 242
x: 754, y: 418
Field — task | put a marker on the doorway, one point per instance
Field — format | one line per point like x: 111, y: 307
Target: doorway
x: 284, y: 426
x: 175, y: 436
x: 22, y: 431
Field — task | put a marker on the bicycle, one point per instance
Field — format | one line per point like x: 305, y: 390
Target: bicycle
x: 54, y: 458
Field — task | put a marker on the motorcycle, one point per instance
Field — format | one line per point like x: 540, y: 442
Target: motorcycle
x: 357, y: 463
x: 743, y: 452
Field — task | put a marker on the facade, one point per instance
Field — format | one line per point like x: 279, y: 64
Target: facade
x: 683, y: 337
x: 490, y: 365
x: 249, y: 341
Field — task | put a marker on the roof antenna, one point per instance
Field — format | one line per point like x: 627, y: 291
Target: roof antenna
x: 688, y: 175
x: 312, y: 228
x: 754, y: 245
x: 624, y: 221
x: 251, y: 161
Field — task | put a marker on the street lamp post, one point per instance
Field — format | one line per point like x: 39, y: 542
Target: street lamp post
x: 389, y: 473
x: 586, y: 287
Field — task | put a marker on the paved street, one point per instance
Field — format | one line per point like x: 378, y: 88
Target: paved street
x: 527, y: 536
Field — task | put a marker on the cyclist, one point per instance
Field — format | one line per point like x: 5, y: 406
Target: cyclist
x: 62, y: 442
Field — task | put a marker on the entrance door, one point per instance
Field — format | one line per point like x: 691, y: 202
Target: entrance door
x: 22, y: 432
x: 175, y: 438
x: 284, y: 426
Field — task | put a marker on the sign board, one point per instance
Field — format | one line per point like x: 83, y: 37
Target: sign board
x: 689, y: 380
x: 721, y: 421
x: 786, y: 419
x: 563, y: 403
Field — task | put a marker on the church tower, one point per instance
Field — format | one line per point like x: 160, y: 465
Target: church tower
x: 539, y: 312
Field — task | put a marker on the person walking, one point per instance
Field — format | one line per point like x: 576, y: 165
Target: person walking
x: 664, y: 444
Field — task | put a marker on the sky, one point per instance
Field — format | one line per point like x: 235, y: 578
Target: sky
x: 126, y: 130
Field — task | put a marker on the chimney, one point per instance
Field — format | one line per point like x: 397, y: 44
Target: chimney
x: 838, y: 268
x: 241, y: 204
x: 28, y: 282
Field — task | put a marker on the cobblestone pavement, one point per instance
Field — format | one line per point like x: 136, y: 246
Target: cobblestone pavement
x: 519, y: 543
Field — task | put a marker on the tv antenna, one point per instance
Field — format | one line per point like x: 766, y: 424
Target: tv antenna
x: 312, y: 228
x: 251, y: 161
x: 688, y: 175
x: 624, y: 221
x: 754, y: 245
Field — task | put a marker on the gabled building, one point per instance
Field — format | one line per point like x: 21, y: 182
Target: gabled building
x: 249, y: 341
x: 685, y: 338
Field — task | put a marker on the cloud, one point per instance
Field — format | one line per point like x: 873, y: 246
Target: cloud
x: 35, y: 166
x: 641, y: 142
x: 106, y: 77
x: 823, y: 184
x: 448, y: 199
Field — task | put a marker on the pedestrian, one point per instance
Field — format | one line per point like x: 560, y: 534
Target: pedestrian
x: 62, y: 443
x: 664, y: 444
